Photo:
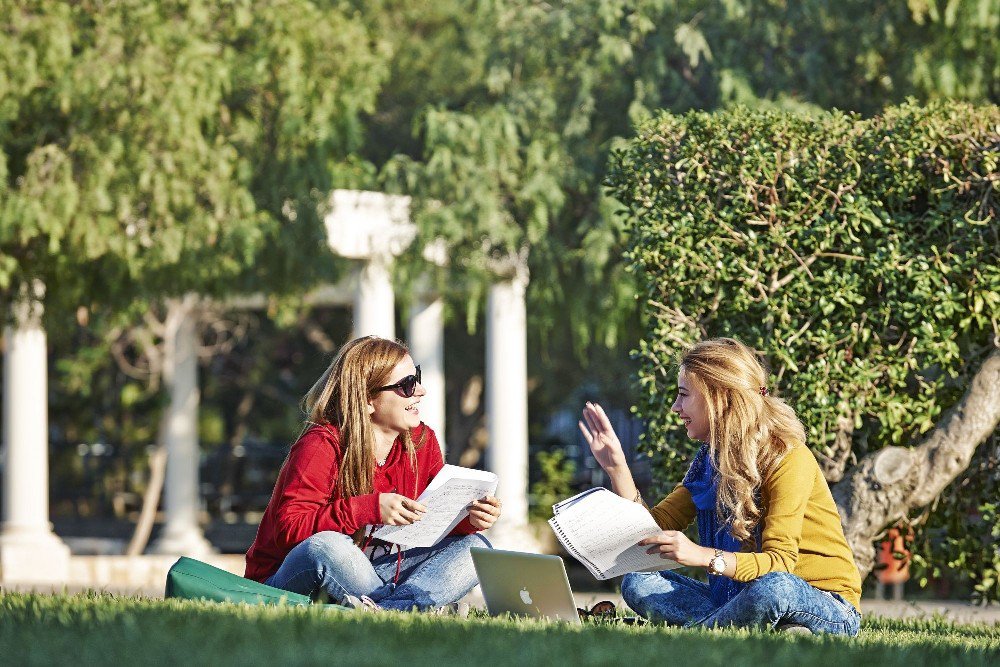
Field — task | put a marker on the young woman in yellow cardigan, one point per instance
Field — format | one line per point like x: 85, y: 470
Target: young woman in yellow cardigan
x: 771, y: 537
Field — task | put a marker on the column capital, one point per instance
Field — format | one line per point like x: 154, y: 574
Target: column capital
x: 28, y: 306
x: 508, y: 266
x: 369, y: 225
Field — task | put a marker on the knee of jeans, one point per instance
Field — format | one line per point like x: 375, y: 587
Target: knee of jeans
x: 328, y: 546
x: 775, y: 586
x: 466, y: 542
x: 478, y: 540
x: 628, y: 588
x: 633, y: 587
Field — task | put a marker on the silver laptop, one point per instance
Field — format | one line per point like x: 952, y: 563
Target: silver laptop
x: 524, y: 584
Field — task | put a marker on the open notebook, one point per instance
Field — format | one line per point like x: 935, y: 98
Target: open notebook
x: 602, y: 530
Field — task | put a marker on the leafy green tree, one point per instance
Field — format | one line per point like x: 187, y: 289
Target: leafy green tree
x: 516, y: 106
x: 861, y: 256
x: 155, y: 149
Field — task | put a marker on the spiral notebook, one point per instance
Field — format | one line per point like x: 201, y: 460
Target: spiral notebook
x: 602, y: 530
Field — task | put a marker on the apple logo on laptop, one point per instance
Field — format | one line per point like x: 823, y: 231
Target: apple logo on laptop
x: 525, y: 596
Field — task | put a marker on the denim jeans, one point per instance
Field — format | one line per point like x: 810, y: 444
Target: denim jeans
x: 330, y: 564
x: 774, y: 599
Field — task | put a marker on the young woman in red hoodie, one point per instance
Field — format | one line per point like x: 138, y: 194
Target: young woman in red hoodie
x: 362, y: 460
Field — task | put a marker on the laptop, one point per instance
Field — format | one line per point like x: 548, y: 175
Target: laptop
x: 524, y: 584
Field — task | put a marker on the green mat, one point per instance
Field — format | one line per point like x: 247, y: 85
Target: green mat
x: 190, y: 579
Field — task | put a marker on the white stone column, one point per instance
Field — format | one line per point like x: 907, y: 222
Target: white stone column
x: 181, y: 500
x: 426, y: 340
x: 374, y: 300
x: 507, y: 409
x: 29, y: 551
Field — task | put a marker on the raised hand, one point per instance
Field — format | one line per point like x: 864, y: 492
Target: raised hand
x: 397, y: 510
x: 604, y: 443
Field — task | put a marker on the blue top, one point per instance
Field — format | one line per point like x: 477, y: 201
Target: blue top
x: 702, y: 481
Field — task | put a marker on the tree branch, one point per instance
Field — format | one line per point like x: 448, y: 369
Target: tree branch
x: 887, y: 485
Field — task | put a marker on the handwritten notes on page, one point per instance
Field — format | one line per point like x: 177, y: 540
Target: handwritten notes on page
x: 602, y: 530
x: 447, y: 499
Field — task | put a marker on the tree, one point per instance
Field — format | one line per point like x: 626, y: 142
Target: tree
x: 160, y: 153
x: 516, y: 106
x: 159, y: 149
x: 860, y: 256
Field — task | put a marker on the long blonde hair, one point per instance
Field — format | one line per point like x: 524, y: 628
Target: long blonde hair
x: 340, y: 398
x: 750, y: 431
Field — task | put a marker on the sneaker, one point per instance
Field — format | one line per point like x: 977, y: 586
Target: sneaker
x: 460, y: 609
x: 363, y: 603
x: 794, y: 629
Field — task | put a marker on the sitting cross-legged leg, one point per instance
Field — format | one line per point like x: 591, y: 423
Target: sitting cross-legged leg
x: 429, y: 576
x: 780, y: 598
x: 667, y: 597
x: 328, y: 564
x: 770, y: 601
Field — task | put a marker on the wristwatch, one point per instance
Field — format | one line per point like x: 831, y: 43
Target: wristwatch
x: 718, y: 563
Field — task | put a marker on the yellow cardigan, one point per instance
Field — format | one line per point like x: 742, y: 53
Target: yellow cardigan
x: 802, y: 533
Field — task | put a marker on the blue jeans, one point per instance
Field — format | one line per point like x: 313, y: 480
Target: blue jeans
x: 330, y: 563
x: 774, y: 599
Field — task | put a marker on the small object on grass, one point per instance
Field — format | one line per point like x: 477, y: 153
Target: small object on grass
x: 604, y: 609
x: 460, y: 609
x: 794, y: 629
x: 363, y: 603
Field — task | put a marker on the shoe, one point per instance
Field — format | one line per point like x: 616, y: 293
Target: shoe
x: 794, y: 629
x: 460, y: 609
x: 362, y: 603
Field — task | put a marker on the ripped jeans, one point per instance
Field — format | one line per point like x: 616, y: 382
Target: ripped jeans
x: 330, y: 563
x: 772, y: 600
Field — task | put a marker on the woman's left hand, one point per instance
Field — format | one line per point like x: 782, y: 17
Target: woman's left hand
x: 675, y: 545
x: 484, y: 513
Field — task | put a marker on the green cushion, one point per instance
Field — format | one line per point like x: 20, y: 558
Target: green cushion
x: 190, y: 579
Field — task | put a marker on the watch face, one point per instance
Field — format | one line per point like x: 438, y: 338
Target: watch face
x: 718, y: 565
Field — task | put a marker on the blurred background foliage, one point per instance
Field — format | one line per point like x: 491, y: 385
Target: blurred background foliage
x: 149, y: 149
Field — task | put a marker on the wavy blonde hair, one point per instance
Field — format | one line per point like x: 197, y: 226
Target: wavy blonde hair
x: 340, y: 398
x: 749, y: 433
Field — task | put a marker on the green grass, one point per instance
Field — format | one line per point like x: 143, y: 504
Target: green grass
x: 103, y: 629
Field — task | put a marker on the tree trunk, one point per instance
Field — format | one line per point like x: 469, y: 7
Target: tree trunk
x: 150, y: 500
x: 887, y: 485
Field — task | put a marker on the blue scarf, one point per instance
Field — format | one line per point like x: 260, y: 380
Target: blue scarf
x: 702, y: 481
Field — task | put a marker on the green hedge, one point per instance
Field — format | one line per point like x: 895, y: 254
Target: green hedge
x: 860, y: 255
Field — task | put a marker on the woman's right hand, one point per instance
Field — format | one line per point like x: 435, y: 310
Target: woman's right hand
x: 607, y: 449
x: 599, y: 434
x: 397, y: 510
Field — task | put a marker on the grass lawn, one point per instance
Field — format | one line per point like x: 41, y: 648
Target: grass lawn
x: 103, y: 629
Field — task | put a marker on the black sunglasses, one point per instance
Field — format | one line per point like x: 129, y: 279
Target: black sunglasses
x: 406, y: 386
